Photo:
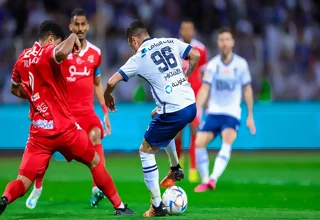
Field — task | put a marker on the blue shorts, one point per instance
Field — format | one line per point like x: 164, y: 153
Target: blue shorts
x: 164, y: 127
x: 217, y: 123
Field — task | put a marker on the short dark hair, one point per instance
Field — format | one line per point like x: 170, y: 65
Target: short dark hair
x: 225, y: 30
x: 136, y: 28
x: 78, y: 12
x: 48, y: 28
x: 188, y: 20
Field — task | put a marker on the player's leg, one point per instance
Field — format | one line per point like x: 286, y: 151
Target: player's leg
x: 229, y: 134
x: 203, y: 138
x: 34, y: 196
x: 178, y: 143
x: 82, y: 150
x: 95, y: 136
x: 193, y: 174
x: 34, y: 162
x: 151, y: 179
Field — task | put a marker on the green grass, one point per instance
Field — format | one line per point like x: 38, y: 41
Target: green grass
x: 264, y: 185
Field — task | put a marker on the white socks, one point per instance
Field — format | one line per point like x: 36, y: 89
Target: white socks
x: 203, y: 164
x: 172, y: 153
x: 151, y: 177
x: 221, y: 161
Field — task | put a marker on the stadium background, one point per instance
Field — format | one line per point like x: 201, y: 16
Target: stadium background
x: 280, y: 40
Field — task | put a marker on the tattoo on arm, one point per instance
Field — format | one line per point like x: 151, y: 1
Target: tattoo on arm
x: 190, y: 68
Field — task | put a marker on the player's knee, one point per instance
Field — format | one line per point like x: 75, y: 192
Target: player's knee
x: 229, y: 135
x: 26, y: 181
x: 95, y: 161
x: 95, y: 136
x: 147, y: 148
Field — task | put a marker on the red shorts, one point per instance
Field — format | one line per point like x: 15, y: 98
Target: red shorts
x: 90, y: 121
x: 73, y: 145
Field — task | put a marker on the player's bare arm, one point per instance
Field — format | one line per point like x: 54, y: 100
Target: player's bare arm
x: 202, y: 98
x: 248, y: 97
x: 99, y: 90
x: 18, y: 91
x: 193, y: 58
x: 63, y: 49
x: 112, y: 82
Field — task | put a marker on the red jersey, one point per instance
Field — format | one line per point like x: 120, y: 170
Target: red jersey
x: 195, y: 79
x: 47, y: 91
x: 20, y: 71
x: 79, y: 72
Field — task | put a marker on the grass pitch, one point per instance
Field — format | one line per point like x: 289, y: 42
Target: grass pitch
x: 256, y: 185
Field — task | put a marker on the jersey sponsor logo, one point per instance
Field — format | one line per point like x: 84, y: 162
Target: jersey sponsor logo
x: 168, y: 89
x: 179, y: 82
x: 168, y: 41
x: 79, y: 61
x: 44, y: 124
x: 144, y: 52
x: 42, y: 108
x: 226, y: 85
x: 35, y: 97
x: 73, y: 72
x: 172, y: 73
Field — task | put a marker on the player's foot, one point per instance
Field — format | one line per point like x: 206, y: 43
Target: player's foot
x: 96, y: 197
x: 32, y: 200
x: 3, y: 204
x: 211, y: 185
x: 172, y: 177
x: 193, y: 175
x: 156, y: 211
x: 124, y: 211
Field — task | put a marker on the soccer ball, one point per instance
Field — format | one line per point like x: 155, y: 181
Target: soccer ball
x: 175, y: 200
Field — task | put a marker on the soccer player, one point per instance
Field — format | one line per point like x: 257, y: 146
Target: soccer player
x: 83, y: 76
x: 187, y: 32
x: 53, y: 127
x: 158, y: 61
x: 226, y: 75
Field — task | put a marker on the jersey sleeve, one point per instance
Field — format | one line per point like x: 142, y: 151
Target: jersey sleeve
x: 129, y: 69
x: 16, y: 77
x: 208, y: 74
x: 183, y: 48
x: 246, y: 76
x: 50, y: 53
x: 97, y: 71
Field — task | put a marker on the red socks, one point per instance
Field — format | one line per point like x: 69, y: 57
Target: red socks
x: 192, y: 152
x: 178, y: 143
x: 99, y: 150
x: 105, y: 183
x: 14, y: 190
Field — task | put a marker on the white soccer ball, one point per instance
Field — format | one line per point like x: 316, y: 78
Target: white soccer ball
x: 175, y: 200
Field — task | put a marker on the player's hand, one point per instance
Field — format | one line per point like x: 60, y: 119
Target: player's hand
x: 108, y: 125
x: 110, y: 103
x: 251, y: 125
x: 77, y: 47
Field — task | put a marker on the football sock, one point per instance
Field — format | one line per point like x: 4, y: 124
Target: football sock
x: 100, y: 151
x: 192, y: 152
x: 178, y: 142
x: 221, y: 161
x: 38, y: 182
x: 151, y: 177
x: 203, y: 164
x: 172, y: 153
x: 105, y: 183
x: 14, y: 190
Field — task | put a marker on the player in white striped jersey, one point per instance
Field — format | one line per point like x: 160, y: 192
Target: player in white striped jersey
x: 158, y: 61
x: 225, y: 77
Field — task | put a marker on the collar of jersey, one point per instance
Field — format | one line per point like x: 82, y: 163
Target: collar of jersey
x: 150, y: 38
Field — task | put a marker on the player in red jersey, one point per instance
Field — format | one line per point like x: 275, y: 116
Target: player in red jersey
x: 187, y: 32
x: 83, y: 77
x: 53, y: 127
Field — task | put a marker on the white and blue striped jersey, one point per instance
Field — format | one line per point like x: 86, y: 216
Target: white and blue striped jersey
x: 158, y: 61
x: 226, y: 81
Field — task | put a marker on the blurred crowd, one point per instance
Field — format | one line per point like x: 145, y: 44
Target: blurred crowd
x: 277, y: 37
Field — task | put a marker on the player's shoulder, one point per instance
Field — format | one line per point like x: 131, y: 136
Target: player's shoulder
x: 198, y: 44
x: 93, y: 49
x: 239, y: 60
x: 23, y: 53
x: 214, y: 60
